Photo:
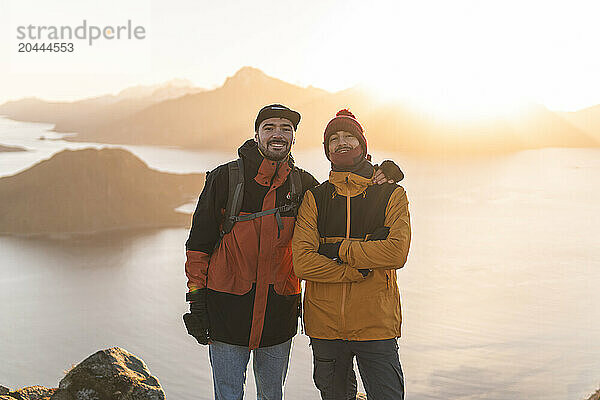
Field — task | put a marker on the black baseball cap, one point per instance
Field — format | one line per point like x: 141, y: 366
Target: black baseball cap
x: 277, y: 111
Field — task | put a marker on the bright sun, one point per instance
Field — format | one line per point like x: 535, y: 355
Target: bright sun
x: 452, y: 96
x: 468, y: 59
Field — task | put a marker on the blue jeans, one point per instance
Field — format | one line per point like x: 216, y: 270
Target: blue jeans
x: 229, y: 363
x: 378, y: 364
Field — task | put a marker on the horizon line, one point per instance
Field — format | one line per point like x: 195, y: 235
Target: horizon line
x: 209, y: 88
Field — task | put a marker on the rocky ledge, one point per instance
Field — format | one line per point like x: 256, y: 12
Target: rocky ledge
x: 111, y: 374
x: 595, y: 396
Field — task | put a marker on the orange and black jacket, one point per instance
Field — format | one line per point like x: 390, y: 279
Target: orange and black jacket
x: 253, y: 295
x: 339, y: 302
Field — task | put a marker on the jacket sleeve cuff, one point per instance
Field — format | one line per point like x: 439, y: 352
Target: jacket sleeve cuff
x: 196, y: 295
x: 344, y: 250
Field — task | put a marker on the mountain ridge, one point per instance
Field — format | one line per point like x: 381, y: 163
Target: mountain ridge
x: 214, y: 119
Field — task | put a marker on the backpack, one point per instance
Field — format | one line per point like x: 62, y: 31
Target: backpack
x: 236, y: 194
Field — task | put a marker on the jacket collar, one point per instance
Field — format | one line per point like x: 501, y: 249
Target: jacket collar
x: 264, y: 170
x: 352, y: 183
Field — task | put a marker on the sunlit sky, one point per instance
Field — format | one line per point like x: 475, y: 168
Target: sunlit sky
x: 452, y: 56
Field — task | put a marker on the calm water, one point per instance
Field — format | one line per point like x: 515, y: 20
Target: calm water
x: 500, y: 293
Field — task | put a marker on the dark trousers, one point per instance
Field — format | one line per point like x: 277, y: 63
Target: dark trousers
x: 378, y: 364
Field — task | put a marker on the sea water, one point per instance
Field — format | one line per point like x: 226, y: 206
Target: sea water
x: 500, y: 292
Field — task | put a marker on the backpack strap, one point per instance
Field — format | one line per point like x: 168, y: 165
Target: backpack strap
x: 236, y: 193
x: 295, y: 188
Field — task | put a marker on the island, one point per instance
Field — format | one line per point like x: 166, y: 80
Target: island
x: 93, y: 190
x: 9, y: 149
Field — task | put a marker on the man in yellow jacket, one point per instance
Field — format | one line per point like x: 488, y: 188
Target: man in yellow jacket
x: 349, y: 239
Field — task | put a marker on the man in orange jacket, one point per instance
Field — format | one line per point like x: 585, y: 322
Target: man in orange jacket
x: 349, y: 239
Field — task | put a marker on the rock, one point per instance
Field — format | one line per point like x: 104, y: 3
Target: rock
x: 112, y: 374
x: 595, y: 396
x: 32, y: 393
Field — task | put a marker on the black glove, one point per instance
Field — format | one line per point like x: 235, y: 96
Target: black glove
x: 391, y: 170
x: 364, y: 271
x: 378, y: 234
x: 196, y: 321
x: 330, y: 250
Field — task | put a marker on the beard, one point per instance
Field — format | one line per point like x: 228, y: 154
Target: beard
x: 348, y: 158
x: 275, y: 154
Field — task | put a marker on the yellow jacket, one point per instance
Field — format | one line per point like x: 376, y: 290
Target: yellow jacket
x: 339, y: 303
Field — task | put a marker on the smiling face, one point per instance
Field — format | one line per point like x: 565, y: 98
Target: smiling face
x: 275, y: 138
x: 342, y: 142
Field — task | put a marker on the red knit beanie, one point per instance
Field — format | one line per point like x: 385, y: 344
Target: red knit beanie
x: 344, y: 120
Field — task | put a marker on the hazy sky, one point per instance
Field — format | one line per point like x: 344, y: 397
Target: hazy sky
x: 447, y: 55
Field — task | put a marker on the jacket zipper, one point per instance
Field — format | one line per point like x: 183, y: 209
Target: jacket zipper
x: 347, y: 213
x: 275, y: 174
x: 344, y: 285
